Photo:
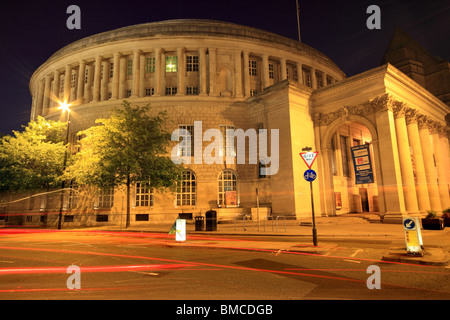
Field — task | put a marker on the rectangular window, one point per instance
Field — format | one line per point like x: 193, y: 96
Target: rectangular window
x: 192, y: 63
x: 344, y: 156
x: 252, y: 67
x: 190, y: 148
x: 308, y: 81
x: 144, y: 197
x: 192, y: 90
x: 227, y: 149
x: 171, y: 64
x: 150, y: 65
x: 111, y: 69
x: 106, y: 198
x: 73, y: 80
x: 128, y: 93
x: 129, y: 67
x: 333, y: 156
x: 186, y: 190
x: 253, y: 92
x: 170, y: 91
x: 86, y: 75
x: 319, y: 80
x: 149, y: 91
x: 271, y: 74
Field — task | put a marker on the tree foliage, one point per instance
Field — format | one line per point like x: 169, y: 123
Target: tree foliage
x: 128, y: 147
x: 33, y: 158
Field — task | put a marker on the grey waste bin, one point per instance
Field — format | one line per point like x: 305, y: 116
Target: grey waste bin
x: 199, y: 223
x: 211, y: 220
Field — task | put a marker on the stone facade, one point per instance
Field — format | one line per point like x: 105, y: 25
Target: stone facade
x: 231, y: 76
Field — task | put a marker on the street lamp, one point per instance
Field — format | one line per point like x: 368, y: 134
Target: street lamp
x: 64, y: 106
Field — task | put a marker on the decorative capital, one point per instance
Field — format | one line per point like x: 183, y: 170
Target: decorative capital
x: 382, y: 103
x: 399, y: 109
x: 411, y: 115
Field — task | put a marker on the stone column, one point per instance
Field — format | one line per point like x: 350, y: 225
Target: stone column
x: 115, y: 82
x: 390, y: 187
x: 104, y: 81
x: 445, y: 153
x: 141, y: 92
x: 181, y: 71
x: 56, y: 88
x: 300, y: 73
x: 39, y: 98
x: 98, y: 63
x: 212, y: 72
x: 202, y: 57
x: 246, y: 74
x: 437, y: 131
x: 313, y: 78
x: 283, y: 69
x: 423, y: 198
x: 409, y: 189
x: 122, y: 76
x: 238, y: 72
x: 47, y: 93
x: 265, y: 71
x: 136, y: 73
x: 67, y: 82
x: 428, y: 161
x: 88, y: 83
x: 158, y: 71
x: 80, y: 85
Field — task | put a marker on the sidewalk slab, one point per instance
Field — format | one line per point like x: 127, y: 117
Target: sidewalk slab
x: 435, y: 256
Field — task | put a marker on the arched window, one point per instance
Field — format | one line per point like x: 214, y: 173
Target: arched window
x: 228, y: 193
x: 186, y: 191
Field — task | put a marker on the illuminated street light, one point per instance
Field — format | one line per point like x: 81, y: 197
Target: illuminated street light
x: 64, y: 106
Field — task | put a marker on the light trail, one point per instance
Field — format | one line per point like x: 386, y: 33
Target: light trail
x: 216, y: 265
x: 83, y: 269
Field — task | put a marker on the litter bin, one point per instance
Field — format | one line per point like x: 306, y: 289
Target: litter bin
x: 199, y: 223
x: 211, y: 220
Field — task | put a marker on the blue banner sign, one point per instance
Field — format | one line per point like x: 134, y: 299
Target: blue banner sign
x: 362, y: 164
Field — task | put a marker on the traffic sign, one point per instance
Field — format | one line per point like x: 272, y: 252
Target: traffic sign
x: 413, y: 236
x: 310, y: 175
x: 409, y: 224
x: 309, y: 157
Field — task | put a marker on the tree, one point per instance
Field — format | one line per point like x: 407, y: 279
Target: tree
x: 130, y: 146
x: 33, y: 158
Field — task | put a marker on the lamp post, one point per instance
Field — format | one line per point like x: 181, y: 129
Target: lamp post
x: 64, y: 106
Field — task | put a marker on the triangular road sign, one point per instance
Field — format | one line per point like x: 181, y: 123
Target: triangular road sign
x: 309, y: 157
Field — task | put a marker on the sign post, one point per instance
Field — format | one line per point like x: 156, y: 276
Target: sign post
x: 180, y: 230
x: 310, y: 175
x: 362, y: 164
x: 413, y: 236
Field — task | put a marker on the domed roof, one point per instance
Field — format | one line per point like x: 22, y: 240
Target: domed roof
x: 192, y: 27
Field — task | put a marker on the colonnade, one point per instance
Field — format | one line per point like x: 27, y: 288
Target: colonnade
x: 411, y: 154
x: 133, y: 74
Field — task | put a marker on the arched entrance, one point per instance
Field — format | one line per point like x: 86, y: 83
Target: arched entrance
x: 338, y: 135
x: 351, y: 195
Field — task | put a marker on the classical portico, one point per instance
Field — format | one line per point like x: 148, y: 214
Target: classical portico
x: 404, y: 140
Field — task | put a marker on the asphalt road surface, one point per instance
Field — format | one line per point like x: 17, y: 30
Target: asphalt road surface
x: 145, y: 266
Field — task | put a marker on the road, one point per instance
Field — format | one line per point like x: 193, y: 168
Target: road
x: 150, y: 266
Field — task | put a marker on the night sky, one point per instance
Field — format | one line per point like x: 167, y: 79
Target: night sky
x: 31, y: 31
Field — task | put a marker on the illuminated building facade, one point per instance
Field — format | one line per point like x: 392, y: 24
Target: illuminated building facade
x: 230, y: 76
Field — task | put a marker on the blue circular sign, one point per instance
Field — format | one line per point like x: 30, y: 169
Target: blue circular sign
x: 310, y: 175
x: 409, y: 224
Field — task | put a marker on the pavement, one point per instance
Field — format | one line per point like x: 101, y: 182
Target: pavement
x: 296, y: 236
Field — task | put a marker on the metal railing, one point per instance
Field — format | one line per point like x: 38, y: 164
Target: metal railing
x: 245, y: 217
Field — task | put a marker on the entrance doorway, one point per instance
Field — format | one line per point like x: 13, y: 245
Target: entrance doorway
x: 364, y: 199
